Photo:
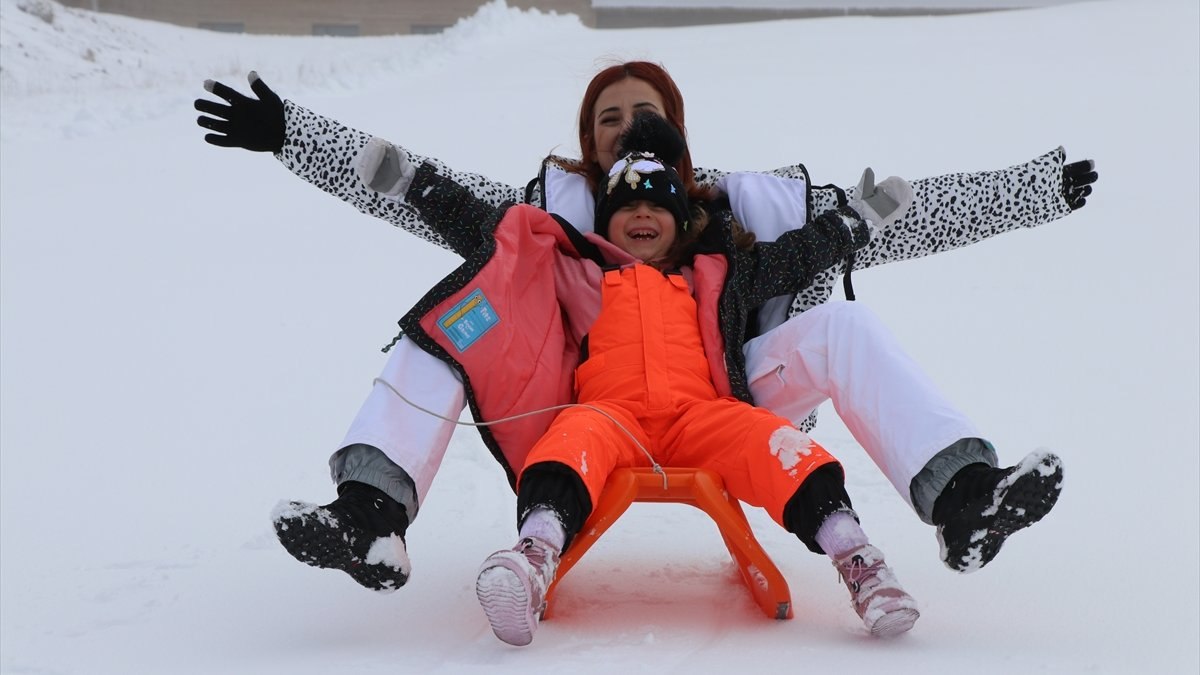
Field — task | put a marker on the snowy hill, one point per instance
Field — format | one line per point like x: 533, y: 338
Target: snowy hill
x: 186, y: 331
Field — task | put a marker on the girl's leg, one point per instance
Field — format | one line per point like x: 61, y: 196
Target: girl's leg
x: 552, y: 502
x: 563, y: 477
x: 765, y: 461
x: 512, y: 583
x: 761, y: 457
x: 544, y: 523
x: 884, y: 607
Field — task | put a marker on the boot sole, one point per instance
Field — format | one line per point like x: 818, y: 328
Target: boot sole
x: 1018, y: 502
x: 895, y: 623
x: 505, y: 600
x: 315, y: 537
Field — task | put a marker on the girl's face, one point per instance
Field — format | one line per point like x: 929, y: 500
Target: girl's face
x: 643, y: 229
x: 614, y: 109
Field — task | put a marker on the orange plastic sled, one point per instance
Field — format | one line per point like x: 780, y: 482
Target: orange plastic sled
x: 703, y: 489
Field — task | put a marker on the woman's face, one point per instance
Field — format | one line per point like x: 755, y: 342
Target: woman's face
x: 614, y: 109
x: 643, y: 229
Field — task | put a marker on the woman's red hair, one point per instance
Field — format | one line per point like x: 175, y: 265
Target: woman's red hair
x: 654, y: 75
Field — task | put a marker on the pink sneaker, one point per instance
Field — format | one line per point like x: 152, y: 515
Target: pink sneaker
x: 885, y: 608
x: 511, y: 588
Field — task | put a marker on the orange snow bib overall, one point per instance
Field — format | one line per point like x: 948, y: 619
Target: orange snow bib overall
x: 646, y: 367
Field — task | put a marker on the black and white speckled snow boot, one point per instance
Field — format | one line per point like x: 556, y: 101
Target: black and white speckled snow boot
x: 982, y: 506
x: 360, y: 533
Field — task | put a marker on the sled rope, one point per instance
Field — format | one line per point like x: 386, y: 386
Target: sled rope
x: 655, y: 465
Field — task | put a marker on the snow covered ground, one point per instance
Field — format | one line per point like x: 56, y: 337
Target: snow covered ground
x: 187, y: 330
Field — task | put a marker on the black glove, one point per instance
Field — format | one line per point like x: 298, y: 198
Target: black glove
x: 253, y: 124
x: 1077, y: 182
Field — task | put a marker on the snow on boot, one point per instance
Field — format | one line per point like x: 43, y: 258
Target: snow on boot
x: 360, y: 533
x: 982, y: 510
x: 884, y: 607
x: 512, y: 588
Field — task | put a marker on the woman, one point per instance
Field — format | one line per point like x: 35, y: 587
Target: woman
x: 392, y: 451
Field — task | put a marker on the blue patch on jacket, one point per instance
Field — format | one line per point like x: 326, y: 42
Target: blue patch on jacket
x: 468, y: 320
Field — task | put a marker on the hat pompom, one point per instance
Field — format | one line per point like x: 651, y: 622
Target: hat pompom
x: 651, y: 133
x: 649, y: 150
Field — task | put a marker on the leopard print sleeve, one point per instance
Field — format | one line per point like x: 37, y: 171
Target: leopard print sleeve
x: 321, y: 151
x: 707, y: 177
x: 955, y: 210
x: 949, y: 212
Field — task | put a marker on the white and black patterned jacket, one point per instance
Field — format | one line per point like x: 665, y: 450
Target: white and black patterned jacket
x: 947, y: 212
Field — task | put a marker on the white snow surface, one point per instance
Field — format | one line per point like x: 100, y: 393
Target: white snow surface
x: 187, y: 330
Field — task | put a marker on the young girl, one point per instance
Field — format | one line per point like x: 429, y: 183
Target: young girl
x: 651, y: 399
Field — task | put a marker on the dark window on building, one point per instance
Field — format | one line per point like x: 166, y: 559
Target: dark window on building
x: 223, y: 26
x: 427, y: 28
x: 336, y: 29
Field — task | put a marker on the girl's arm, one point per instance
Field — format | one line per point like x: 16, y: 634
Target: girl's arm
x: 450, y: 209
x: 790, y: 263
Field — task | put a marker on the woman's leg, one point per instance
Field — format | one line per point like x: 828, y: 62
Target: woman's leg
x: 927, y: 448
x: 391, y: 444
x: 841, y: 352
x: 382, y: 472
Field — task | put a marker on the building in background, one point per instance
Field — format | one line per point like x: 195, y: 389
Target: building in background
x: 391, y: 17
x: 318, y: 17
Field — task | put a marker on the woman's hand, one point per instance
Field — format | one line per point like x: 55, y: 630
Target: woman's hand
x: 880, y: 205
x: 1077, y: 182
x: 253, y: 124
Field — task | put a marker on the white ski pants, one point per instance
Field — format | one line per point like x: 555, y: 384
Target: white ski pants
x: 842, y: 352
x: 414, y: 440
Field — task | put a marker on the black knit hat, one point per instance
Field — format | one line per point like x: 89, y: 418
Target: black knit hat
x: 649, y: 148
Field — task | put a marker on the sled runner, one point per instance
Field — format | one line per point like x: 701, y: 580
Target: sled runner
x: 706, y: 491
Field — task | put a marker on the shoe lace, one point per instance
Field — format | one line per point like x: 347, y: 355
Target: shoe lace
x: 537, y: 554
x: 532, y: 551
x: 857, y: 573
